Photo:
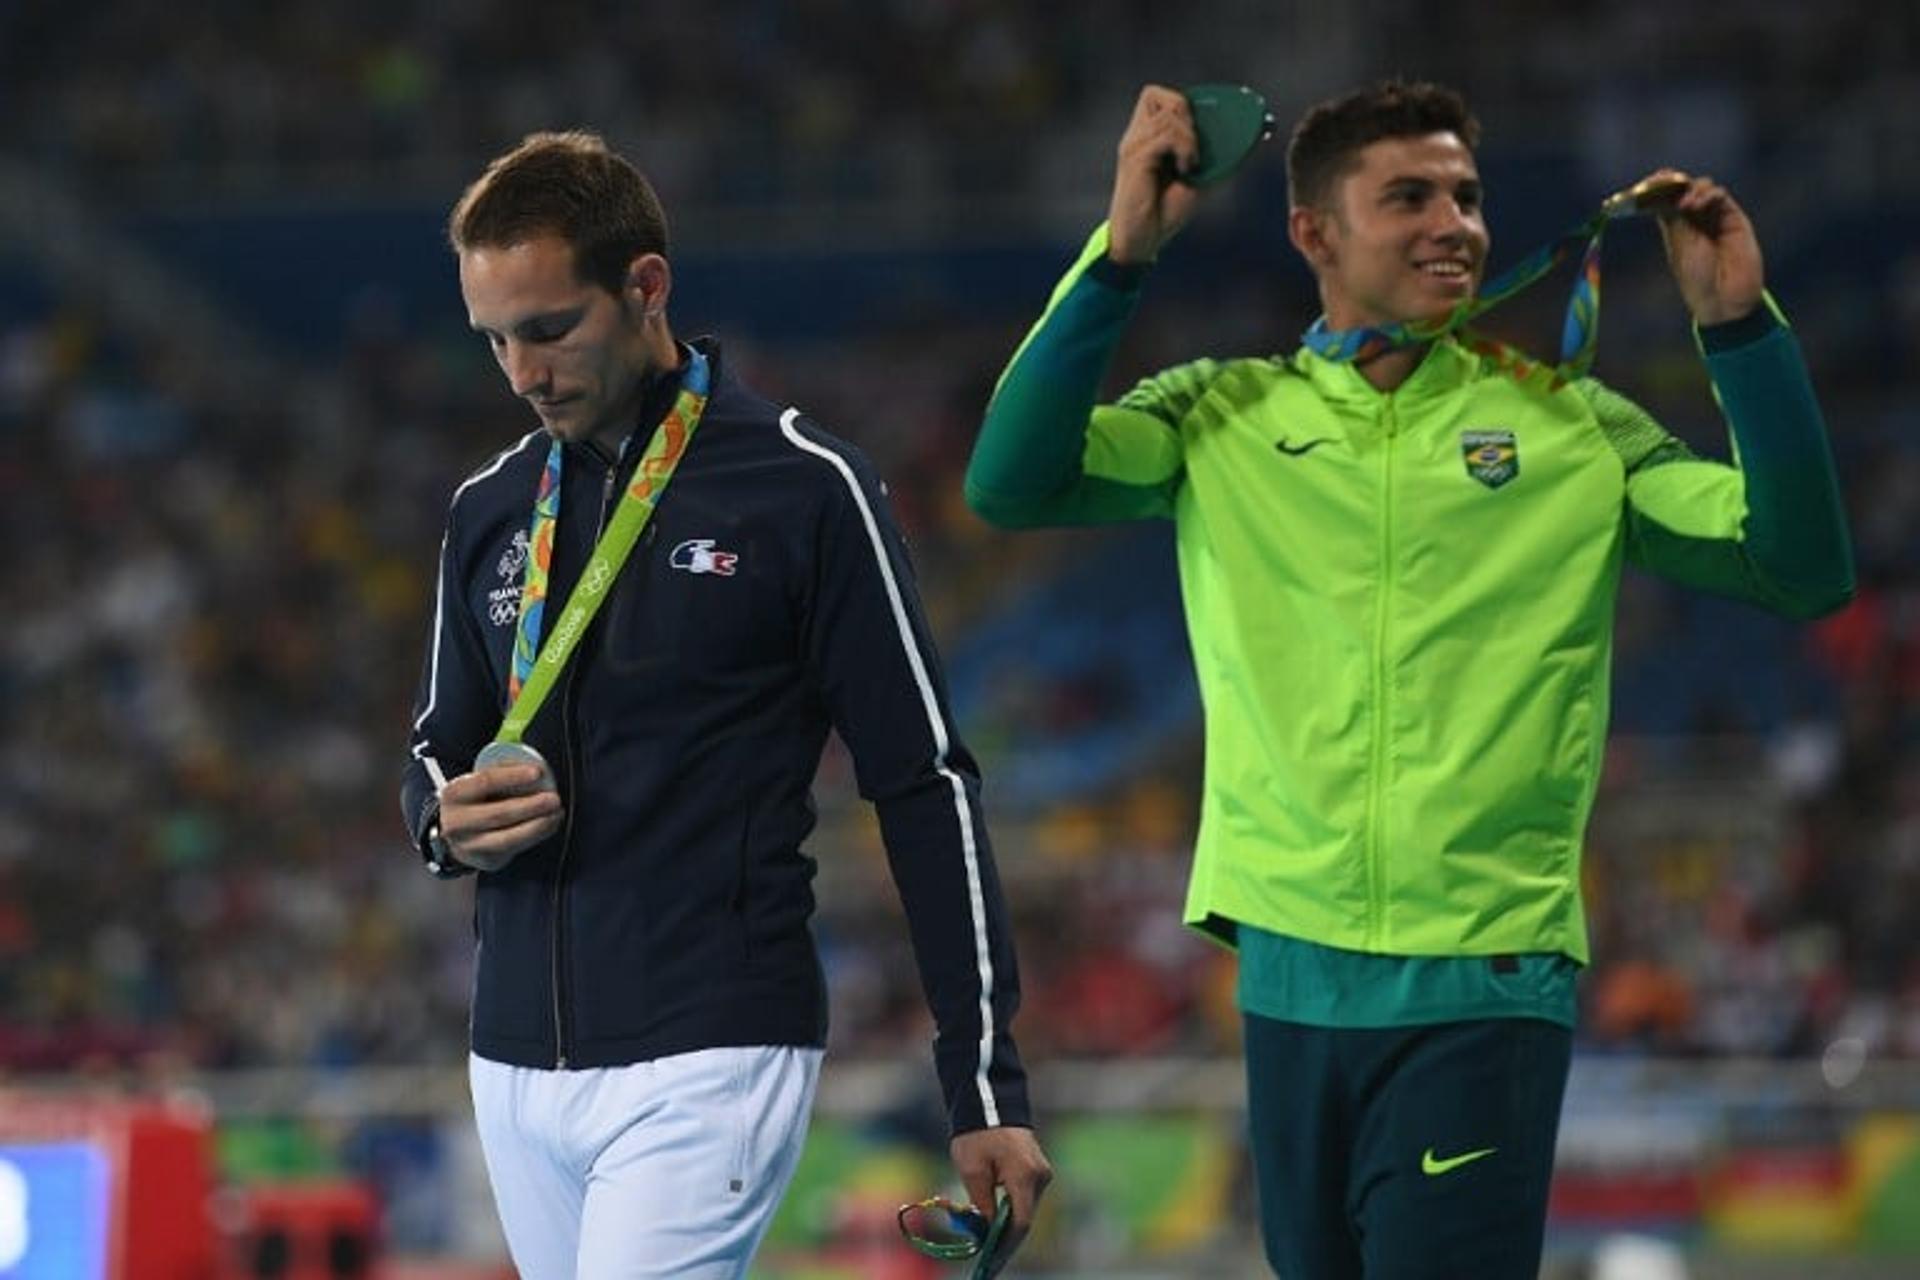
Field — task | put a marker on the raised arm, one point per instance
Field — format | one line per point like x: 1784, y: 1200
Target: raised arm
x: 1047, y: 455
x: 1769, y: 529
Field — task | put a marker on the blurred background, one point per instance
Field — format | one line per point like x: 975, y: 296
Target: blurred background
x: 237, y: 390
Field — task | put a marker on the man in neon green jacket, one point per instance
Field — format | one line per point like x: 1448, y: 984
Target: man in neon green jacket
x: 1399, y: 575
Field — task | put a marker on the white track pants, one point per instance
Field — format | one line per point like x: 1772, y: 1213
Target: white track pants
x: 665, y: 1168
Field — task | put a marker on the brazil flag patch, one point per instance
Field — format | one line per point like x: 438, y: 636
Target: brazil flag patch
x: 1492, y: 456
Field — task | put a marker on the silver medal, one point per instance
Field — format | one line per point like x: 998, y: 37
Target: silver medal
x: 515, y: 753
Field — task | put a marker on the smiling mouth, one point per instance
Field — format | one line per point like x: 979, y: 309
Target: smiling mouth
x: 1446, y: 269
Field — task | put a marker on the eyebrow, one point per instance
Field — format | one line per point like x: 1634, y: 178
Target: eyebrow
x: 543, y: 323
x: 1408, y: 181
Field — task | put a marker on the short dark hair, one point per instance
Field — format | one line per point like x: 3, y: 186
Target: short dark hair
x: 1332, y: 133
x: 567, y: 184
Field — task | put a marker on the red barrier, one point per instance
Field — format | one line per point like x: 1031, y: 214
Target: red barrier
x: 306, y: 1231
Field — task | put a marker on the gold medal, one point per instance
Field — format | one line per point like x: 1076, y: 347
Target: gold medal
x: 1649, y: 195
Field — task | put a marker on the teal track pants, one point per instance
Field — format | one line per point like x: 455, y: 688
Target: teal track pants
x: 1405, y: 1153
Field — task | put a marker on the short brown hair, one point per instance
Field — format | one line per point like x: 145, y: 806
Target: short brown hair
x: 567, y: 184
x: 1332, y: 133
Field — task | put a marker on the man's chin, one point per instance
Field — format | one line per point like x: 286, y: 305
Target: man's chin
x: 577, y: 428
x: 562, y: 425
x: 1443, y: 299
x: 1427, y: 317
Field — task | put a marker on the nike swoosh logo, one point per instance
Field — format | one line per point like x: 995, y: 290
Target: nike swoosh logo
x: 1295, y: 450
x: 1433, y: 1166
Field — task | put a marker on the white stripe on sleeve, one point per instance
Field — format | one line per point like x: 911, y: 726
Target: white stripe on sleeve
x: 941, y: 739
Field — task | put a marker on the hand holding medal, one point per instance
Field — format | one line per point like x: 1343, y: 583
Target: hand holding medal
x: 1178, y: 141
x: 1711, y: 246
x: 506, y: 805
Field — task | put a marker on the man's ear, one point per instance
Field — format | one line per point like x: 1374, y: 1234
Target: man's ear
x: 1307, y: 230
x: 648, y: 284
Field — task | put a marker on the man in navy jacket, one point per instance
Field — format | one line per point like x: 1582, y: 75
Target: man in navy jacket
x: 649, y: 1010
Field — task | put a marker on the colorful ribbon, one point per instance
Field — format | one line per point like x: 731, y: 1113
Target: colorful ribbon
x: 533, y: 590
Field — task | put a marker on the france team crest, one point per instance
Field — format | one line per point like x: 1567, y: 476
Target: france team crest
x: 1492, y: 456
x: 697, y: 555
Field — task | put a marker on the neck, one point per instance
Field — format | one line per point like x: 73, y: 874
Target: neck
x: 651, y: 398
x: 663, y: 349
x: 1387, y: 371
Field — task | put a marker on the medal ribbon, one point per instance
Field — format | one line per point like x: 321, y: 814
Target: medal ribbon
x: 533, y: 591
x: 537, y: 666
x: 1579, y: 335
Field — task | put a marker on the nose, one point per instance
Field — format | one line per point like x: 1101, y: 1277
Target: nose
x: 1452, y: 222
x: 526, y: 371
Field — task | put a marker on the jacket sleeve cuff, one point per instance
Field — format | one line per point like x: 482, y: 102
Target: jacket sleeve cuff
x: 1127, y: 277
x: 423, y: 829
x: 1750, y: 328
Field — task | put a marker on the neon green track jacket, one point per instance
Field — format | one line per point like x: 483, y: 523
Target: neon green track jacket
x: 1401, y: 605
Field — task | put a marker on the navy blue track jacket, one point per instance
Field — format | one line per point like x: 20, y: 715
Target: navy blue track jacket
x: 769, y: 598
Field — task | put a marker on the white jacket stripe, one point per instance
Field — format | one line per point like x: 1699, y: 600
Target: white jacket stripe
x: 962, y: 809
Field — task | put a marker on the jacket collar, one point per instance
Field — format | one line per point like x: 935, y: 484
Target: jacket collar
x: 1447, y: 366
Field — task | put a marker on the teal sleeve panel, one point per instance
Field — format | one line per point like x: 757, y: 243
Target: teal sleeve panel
x: 1770, y: 530
x: 1030, y: 465
x: 1292, y: 980
x: 1796, y: 530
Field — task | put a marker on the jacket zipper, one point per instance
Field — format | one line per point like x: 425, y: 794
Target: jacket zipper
x: 573, y: 773
x: 1382, y: 699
